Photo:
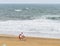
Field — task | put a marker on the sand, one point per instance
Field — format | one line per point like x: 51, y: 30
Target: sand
x: 10, y: 40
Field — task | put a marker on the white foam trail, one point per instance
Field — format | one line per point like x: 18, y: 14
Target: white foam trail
x: 41, y: 27
x: 18, y: 10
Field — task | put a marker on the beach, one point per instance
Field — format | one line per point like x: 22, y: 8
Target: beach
x: 10, y: 40
x: 40, y: 23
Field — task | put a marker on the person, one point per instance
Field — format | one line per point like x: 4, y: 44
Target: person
x: 21, y: 36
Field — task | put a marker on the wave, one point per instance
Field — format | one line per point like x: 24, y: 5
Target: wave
x: 37, y: 27
x: 54, y: 18
x: 51, y: 17
x: 18, y: 10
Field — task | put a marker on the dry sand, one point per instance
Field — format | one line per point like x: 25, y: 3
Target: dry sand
x: 8, y: 40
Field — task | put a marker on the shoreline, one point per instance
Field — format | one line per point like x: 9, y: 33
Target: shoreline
x: 11, y: 40
x: 14, y: 36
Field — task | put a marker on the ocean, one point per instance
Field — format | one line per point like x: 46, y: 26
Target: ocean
x: 35, y: 20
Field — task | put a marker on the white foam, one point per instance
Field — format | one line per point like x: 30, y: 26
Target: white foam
x: 18, y: 10
x: 41, y: 27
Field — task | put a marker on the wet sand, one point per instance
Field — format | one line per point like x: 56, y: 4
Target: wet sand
x: 10, y: 40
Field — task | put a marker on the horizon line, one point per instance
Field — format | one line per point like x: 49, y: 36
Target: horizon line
x: 26, y: 3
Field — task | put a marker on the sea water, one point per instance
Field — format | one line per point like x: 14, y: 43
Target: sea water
x: 35, y: 20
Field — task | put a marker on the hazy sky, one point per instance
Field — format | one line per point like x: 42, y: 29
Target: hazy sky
x: 29, y: 1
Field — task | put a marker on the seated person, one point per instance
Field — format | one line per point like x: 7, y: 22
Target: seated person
x: 21, y: 36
